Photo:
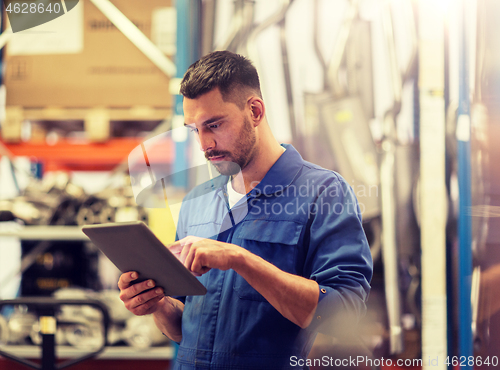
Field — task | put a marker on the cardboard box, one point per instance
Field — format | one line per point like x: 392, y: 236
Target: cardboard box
x: 82, y: 60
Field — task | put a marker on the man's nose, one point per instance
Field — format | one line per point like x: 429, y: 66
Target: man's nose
x: 206, y: 141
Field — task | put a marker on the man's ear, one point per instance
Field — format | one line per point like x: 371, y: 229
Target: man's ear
x: 257, y: 110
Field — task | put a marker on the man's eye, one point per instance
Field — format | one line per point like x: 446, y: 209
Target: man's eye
x: 193, y: 129
x: 216, y: 125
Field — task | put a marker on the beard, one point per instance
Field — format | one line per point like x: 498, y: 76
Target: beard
x: 236, y: 160
x: 227, y: 168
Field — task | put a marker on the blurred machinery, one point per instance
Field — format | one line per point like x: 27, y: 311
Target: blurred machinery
x: 122, y: 101
x: 81, y: 326
x: 45, y: 331
x: 337, y: 132
x: 485, y: 185
x: 382, y: 171
x: 56, y: 200
x: 341, y: 130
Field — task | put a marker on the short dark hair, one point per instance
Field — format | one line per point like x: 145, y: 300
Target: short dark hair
x: 232, y: 73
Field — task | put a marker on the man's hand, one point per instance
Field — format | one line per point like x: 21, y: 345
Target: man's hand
x: 141, y: 298
x: 144, y: 299
x: 199, y: 255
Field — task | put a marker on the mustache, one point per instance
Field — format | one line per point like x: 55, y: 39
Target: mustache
x: 215, y: 153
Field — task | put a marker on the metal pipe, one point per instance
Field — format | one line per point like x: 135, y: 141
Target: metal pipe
x: 396, y: 79
x: 288, y: 81
x: 273, y: 19
x: 5, y: 37
x: 339, y: 50
x: 410, y: 20
x: 389, y: 243
x: 464, y: 185
x: 208, y: 12
x: 317, y: 48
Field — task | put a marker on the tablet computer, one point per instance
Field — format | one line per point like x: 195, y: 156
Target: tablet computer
x: 132, y: 246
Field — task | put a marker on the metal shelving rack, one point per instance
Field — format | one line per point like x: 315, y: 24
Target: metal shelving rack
x: 110, y: 353
x: 46, y: 232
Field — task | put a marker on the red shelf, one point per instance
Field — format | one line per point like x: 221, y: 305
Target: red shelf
x: 69, y: 155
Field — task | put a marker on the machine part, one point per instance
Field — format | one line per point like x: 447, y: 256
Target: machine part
x: 36, y: 336
x: 208, y: 12
x: 116, y: 308
x: 142, y: 215
x: 388, y: 170
x: 273, y: 19
x: 288, y: 80
x: 352, y: 147
x: 373, y: 231
x: 241, y: 26
x: 20, y: 324
x: 30, y: 213
x: 481, y: 179
x: 389, y: 244
x: 476, y: 280
x: 81, y: 325
x: 6, y: 215
x: 79, y: 314
x: 62, y: 264
x: 73, y: 312
x: 107, y: 215
x: 48, y: 326
x: 74, y: 191
x: 413, y: 294
x: 141, y: 332
x: 348, y: 145
x: 396, y: 78
x: 52, y: 201
x: 65, y: 213
x: 85, y: 216
x: 4, y: 331
x: 407, y: 165
x: 358, y: 66
x: 484, y: 176
x: 115, y: 334
x: 86, y: 336
x: 333, y: 67
x: 277, y: 18
x: 116, y: 201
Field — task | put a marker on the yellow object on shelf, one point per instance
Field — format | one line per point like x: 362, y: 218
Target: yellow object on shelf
x: 161, y: 222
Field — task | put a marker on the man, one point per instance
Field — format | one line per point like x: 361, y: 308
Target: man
x: 288, y: 259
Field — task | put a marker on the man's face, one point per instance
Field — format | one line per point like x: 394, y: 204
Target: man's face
x: 224, y: 132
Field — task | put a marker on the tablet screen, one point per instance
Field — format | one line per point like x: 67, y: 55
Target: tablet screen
x: 132, y: 246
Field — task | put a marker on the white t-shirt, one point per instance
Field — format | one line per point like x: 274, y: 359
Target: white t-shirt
x: 233, y: 195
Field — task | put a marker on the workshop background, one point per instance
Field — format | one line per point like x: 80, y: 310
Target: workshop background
x: 399, y: 96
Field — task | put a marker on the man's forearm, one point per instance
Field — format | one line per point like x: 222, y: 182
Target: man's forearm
x: 168, y: 318
x: 293, y: 296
